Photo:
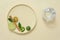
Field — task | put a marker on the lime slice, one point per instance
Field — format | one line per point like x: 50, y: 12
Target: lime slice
x: 28, y: 28
x: 11, y: 26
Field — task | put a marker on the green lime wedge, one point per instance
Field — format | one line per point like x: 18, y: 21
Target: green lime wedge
x: 11, y: 26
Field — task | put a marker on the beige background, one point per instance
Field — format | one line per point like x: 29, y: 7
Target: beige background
x: 42, y: 31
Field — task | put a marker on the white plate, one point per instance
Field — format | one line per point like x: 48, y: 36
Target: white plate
x: 26, y: 16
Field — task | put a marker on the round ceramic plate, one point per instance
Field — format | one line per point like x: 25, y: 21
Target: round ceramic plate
x: 21, y: 19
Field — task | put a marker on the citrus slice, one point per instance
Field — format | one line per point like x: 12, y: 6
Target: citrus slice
x: 11, y: 26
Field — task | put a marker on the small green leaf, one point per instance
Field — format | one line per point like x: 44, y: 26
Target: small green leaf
x: 10, y: 19
x: 19, y: 25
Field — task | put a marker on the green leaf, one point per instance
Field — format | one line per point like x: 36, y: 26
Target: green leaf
x: 19, y: 25
x: 10, y: 19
